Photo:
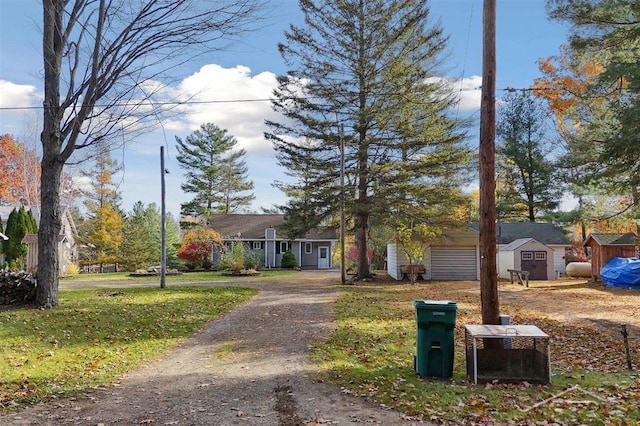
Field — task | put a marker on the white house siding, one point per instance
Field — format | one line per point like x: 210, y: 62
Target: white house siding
x: 559, y: 263
x: 453, y: 263
x: 393, y: 265
x: 505, y: 262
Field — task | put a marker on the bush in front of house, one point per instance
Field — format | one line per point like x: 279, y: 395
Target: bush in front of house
x: 288, y: 260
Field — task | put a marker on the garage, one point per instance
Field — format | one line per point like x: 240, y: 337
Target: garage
x: 454, y: 263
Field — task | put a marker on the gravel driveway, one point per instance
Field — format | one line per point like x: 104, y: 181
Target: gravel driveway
x: 249, y: 367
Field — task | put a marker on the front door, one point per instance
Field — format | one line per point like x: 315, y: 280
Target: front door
x: 536, y: 263
x: 323, y: 257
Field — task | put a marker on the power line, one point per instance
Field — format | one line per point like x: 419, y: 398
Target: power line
x: 232, y: 101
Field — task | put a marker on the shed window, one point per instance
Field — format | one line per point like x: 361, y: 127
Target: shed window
x: 526, y: 255
x: 257, y: 245
x: 307, y: 248
x: 284, y: 246
x: 541, y: 255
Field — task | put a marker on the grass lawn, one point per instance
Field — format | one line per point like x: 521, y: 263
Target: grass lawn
x: 95, y: 335
x: 187, y: 277
x: 371, y: 355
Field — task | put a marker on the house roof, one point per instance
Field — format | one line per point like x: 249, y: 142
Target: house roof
x: 521, y: 242
x: 252, y: 226
x: 614, y: 239
x: 33, y: 238
x: 545, y: 233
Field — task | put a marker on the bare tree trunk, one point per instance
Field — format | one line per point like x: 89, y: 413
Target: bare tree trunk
x: 362, y: 222
x: 52, y: 162
x: 488, y: 271
x: 48, y: 233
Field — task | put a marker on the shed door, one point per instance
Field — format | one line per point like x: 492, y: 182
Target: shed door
x: 536, y: 263
x: 453, y: 263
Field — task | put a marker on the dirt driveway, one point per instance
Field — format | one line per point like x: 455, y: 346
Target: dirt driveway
x: 249, y: 367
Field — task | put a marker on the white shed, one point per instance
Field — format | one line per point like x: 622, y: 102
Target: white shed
x: 527, y: 254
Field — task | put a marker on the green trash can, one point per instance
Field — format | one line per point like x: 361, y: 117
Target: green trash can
x: 434, y: 344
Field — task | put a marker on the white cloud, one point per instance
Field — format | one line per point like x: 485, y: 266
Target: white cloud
x: 16, y: 95
x: 470, y: 92
x: 230, y: 98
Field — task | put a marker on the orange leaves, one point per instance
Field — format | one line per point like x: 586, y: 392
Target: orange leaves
x: 20, y: 177
x: 565, y: 85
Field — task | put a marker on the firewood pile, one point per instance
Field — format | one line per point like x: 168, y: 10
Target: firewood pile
x: 17, y: 288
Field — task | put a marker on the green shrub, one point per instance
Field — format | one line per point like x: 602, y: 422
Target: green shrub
x: 234, y: 259
x: 289, y: 260
x: 251, y: 260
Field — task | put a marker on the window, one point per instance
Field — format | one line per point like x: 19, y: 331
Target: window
x: 541, y: 255
x: 526, y: 255
x: 284, y: 246
x: 307, y: 248
x: 257, y: 245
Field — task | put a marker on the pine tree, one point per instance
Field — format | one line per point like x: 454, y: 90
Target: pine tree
x: 370, y: 66
x: 138, y: 248
x: 216, y: 173
x: 523, y: 155
x: 607, y: 33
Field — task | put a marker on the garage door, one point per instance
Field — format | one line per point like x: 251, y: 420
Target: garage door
x: 453, y: 263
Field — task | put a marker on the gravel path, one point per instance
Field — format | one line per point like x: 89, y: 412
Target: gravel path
x: 249, y: 367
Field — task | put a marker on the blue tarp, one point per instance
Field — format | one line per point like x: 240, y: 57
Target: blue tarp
x: 623, y: 272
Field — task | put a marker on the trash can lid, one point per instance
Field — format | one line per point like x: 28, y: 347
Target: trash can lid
x: 433, y: 303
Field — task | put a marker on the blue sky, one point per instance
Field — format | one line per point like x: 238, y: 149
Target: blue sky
x: 247, y: 70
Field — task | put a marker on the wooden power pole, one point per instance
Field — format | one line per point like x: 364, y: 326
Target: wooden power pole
x: 488, y: 272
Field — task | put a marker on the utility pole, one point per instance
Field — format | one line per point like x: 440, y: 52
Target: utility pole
x: 489, y: 298
x: 343, y: 268
x: 163, y: 228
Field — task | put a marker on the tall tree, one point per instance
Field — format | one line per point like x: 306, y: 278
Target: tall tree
x: 138, y: 245
x: 608, y: 32
x: 371, y: 66
x: 523, y: 152
x: 216, y: 172
x: 103, y: 62
x: 568, y: 85
x: 101, y: 231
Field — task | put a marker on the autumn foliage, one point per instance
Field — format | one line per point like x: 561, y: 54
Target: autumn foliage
x: 197, y: 246
x: 20, y: 177
x: 566, y: 83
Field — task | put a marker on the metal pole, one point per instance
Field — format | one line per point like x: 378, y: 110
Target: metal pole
x: 163, y: 230
x: 343, y: 268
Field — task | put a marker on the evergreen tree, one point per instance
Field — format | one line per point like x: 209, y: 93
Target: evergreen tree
x: 529, y: 179
x: 216, y: 173
x: 607, y: 33
x: 13, y: 248
x: 101, y: 232
x: 371, y: 66
x: 138, y: 248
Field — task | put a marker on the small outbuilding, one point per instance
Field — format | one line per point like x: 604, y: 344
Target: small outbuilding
x: 605, y: 247
x: 454, y: 256
x: 527, y: 254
